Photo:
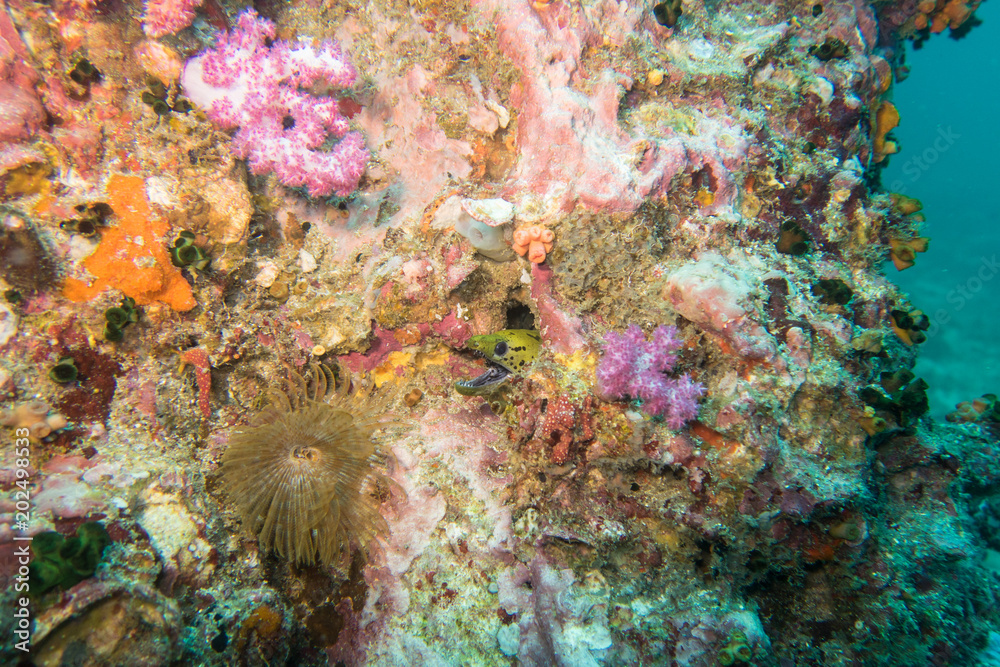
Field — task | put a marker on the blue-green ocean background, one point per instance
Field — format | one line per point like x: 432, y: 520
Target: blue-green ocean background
x: 950, y: 160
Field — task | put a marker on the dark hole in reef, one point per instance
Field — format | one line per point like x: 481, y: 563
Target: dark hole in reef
x: 542, y: 477
x: 519, y: 316
x: 821, y: 631
x: 704, y: 178
x: 112, y: 9
x: 24, y: 260
x: 269, y: 9
x: 325, y: 624
x: 85, y: 227
x: 703, y: 559
x: 833, y: 291
x: 220, y: 641
x: 817, y: 10
x: 667, y: 13
x: 356, y: 588
x: 100, y: 210
x: 287, y: 122
x: 635, y: 487
x: 757, y: 561
x: 792, y: 240
x: 923, y: 584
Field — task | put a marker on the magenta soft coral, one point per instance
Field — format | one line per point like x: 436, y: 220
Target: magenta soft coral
x: 637, y: 368
x: 260, y: 85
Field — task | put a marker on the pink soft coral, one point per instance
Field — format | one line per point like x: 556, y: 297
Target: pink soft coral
x: 165, y: 17
x: 259, y: 85
x: 634, y: 367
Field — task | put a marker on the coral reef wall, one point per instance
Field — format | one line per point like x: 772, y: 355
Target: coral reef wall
x: 717, y: 454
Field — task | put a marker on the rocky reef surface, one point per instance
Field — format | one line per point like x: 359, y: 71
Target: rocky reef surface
x: 684, y: 191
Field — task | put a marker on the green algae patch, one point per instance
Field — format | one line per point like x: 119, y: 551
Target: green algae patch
x: 62, y: 562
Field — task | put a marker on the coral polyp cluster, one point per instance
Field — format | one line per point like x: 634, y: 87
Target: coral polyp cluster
x: 250, y: 81
x: 903, y: 251
x: 534, y: 242
x: 36, y: 417
x: 937, y: 15
x: 164, y: 17
x: 984, y: 409
x: 306, y: 475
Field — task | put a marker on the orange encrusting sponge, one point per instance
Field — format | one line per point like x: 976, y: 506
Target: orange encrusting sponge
x: 132, y: 256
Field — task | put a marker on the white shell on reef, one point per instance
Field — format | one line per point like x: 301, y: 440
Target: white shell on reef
x: 823, y: 89
x: 503, y: 116
x: 267, y: 274
x: 493, y: 212
x: 307, y: 261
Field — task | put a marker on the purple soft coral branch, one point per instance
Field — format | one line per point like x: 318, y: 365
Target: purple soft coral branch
x: 620, y: 354
x: 636, y: 368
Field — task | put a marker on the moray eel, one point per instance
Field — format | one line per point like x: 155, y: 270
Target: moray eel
x: 507, y: 353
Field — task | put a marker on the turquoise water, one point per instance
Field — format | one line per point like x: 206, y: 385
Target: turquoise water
x: 950, y: 138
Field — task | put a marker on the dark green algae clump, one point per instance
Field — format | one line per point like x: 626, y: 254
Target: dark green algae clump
x: 63, y: 562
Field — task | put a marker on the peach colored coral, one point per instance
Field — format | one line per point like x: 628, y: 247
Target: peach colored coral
x: 535, y: 241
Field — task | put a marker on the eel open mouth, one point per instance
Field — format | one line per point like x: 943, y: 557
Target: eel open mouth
x: 495, y: 374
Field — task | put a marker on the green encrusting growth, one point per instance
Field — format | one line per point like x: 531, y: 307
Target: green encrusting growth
x: 120, y: 317
x: 185, y: 253
x: 62, y: 562
x: 64, y: 371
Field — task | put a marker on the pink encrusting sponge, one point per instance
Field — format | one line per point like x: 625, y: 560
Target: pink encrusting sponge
x: 258, y: 85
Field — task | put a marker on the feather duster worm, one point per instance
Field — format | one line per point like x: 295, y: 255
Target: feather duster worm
x: 306, y: 474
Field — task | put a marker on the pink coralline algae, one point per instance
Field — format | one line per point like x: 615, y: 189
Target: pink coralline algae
x: 573, y: 147
x: 21, y: 111
x: 716, y: 294
x: 248, y: 81
x: 165, y: 17
x: 632, y: 366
